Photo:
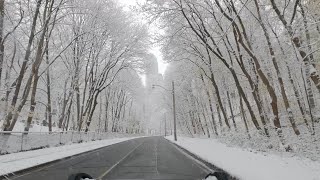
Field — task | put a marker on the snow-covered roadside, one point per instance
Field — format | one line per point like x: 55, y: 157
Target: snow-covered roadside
x: 18, y: 161
x: 248, y: 165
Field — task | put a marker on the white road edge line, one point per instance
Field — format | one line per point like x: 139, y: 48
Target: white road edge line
x: 116, y: 164
x: 199, y: 163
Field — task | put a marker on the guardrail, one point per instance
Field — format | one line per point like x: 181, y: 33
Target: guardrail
x: 13, y: 141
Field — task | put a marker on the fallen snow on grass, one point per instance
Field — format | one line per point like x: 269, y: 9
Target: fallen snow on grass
x: 249, y: 165
x: 18, y: 161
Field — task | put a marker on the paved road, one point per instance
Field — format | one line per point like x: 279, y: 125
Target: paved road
x: 143, y: 158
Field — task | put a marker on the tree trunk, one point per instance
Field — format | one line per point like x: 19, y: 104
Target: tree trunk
x: 64, y: 105
x: 210, y: 107
x: 33, y: 100
x: 314, y: 75
x: 106, y: 122
x: 66, y: 126
x: 307, y: 72
x: 100, y: 114
x: 296, y: 91
x: 1, y: 37
x: 275, y: 64
x: 36, y: 64
x: 22, y: 103
x: 219, y: 116
x: 243, y: 113
x: 23, y: 67
x: 247, y: 48
x: 216, y: 88
x: 231, y: 111
x: 253, y: 85
x: 49, y: 113
x: 7, y: 84
x: 95, y: 103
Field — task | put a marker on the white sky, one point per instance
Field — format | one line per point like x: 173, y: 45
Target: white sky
x: 156, y: 50
x: 130, y: 2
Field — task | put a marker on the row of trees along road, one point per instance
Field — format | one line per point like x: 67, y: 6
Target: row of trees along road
x: 72, y: 63
x: 243, y: 64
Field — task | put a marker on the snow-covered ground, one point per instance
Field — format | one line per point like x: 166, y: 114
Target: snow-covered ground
x: 249, y: 164
x: 305, y: 145
x: 18, y: 161
x: 19, y: 126
x: 17, y: 142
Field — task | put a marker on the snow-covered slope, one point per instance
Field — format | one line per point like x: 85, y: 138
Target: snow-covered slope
x: 250, y: 165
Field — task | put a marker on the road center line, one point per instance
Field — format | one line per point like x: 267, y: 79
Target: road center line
x: 116, y: 164
x: 156, y: 153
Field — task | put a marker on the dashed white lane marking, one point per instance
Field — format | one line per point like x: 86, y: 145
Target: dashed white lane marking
x: 156, y: 154
x: 116, y: 164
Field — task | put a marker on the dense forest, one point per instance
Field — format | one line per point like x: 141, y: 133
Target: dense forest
x: 246, y: 71
x: 71, y: 65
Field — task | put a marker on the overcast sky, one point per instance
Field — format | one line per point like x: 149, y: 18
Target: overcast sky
x: 162, y: 66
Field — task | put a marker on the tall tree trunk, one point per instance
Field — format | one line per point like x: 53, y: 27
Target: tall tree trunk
x: 95, y: 103
x: 206, y: 125
x: 216, y: 88
x: 65, y: 101
x: 295, y: 89
x: 22, y: 102
x: 7, y: 79
x: 106, y: 122
x: 23, y: 67
x: 239, y: 59
x: 1, y: 37
x: 310, y: 99
x: 231, y: 111
x: 100, y: 114
x: 36, y: 64
x: 219, y: 116
x: 307, y: 64
x: 215, y: 50
x: 66, y: 126
x: 199, y: 123
x: 33, y: 100
x: 314, y: 75
x: 273, y: 96
x: 210, y: 107
x: 49, y: 113
x: 243, y: 113
x: 253, y: 85
x: 263, y: 77
x: 275, y: 64
x: 191, y: 115
x: 310, y: 71
x: 243, y: 39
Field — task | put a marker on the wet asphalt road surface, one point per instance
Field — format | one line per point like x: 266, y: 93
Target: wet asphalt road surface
x: 142, y: 158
